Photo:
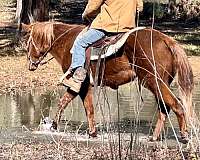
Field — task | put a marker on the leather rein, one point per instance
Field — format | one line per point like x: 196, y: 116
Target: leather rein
x: 39, y: 61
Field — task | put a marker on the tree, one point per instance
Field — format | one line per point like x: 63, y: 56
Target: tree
x: 32, y: 10
x: 29, y: 11
x: 185, y: 10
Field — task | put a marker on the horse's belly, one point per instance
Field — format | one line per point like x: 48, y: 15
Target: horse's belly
x: 120, y: 78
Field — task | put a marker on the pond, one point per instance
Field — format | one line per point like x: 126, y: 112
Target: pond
x: 28, y: 108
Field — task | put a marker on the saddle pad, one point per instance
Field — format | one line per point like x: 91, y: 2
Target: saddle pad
x: 113, y: 48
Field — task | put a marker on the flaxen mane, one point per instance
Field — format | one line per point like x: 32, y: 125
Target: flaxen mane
x: 44, y: 31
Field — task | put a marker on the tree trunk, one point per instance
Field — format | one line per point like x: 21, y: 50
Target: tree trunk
x: 29, y: 11
x: 40, y: 10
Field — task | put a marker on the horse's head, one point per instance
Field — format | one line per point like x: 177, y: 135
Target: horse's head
x: 39, y: 42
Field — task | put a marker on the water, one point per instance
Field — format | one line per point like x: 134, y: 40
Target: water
x: 28, y: 108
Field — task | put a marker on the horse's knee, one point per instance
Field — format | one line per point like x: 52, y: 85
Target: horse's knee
x: 171, y: 103
x: 61, y: 105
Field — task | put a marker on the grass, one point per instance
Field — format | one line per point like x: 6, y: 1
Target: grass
x: 192, y: 49
x: 189, y: 41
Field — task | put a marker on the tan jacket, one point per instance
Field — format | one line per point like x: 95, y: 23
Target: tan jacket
x: 114, y: 15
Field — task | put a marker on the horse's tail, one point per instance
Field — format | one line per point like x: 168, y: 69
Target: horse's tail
x: 185, y: 76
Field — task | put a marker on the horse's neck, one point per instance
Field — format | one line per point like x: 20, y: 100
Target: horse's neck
x: 61, y: 50
x: 57, y: 57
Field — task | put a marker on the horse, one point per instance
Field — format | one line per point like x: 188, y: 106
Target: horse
x: 155, y: 57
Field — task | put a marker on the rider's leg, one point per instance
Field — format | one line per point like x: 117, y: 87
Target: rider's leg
x: 82, y: 41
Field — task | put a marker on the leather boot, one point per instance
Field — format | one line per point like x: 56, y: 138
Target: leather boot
x: 75, y: 82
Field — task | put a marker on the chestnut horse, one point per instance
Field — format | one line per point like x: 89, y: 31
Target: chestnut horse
x: 155, y: 57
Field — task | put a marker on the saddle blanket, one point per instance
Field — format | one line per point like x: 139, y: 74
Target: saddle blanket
x: 112, y: 48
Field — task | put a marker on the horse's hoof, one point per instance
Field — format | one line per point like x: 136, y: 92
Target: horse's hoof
x: 54, y: 125
x: 152, y: 139
x: 48, y: 124
x: 184, y: 138
x: 93, y: 134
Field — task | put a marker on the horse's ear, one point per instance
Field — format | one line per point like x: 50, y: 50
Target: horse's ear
x: 26, y: 27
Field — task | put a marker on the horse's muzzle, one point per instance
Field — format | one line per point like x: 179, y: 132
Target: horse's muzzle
x: 32, y: 67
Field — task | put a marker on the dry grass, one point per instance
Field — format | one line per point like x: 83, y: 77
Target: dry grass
x: 70, y: 150
x: 14, y: 74
x: 7, y: 11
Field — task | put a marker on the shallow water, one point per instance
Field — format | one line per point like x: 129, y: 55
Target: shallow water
x: 27, y: 109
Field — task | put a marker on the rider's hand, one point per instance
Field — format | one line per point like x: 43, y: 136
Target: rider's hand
x: 85, y: 19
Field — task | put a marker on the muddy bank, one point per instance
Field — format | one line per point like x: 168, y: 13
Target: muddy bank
x: 69, y: 151
x: 41, y: 151
x: 26, y: 145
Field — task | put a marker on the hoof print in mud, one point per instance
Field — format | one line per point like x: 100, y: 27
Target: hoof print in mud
x: 47, y: 124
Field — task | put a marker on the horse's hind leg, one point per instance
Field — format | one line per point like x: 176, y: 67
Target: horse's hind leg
x: 86, y: 95
x: 162, y: 113
x: 171, y: 101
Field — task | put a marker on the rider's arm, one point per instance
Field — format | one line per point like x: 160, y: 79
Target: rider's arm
x: 139, y: 5
x: 92, y: 7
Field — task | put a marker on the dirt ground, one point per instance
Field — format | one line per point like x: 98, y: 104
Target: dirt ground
x: 14, y: 74
x: 26, y: 145
x: 70, y: 151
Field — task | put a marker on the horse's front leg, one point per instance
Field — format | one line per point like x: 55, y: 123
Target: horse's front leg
x: 86, y: 95
x: 64, y: 101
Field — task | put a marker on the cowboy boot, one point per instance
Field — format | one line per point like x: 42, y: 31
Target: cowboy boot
x: 75, y: 82
x: 67, y: 75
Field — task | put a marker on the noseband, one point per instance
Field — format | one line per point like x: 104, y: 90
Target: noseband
x: 31, y: 41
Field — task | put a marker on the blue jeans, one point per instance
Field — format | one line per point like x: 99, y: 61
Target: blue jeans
x: 81, y: 43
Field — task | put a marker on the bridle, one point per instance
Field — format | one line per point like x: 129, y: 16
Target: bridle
x: 31, y: 41
x: 44, y: 54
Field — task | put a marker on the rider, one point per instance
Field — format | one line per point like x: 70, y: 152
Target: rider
x: 113, y: 16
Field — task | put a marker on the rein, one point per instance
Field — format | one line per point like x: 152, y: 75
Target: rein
x: 39, y: 61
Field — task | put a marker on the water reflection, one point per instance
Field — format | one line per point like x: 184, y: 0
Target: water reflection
x: 27, y: 109
x: 19, y: 109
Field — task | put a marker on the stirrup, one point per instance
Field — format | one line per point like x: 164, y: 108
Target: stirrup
x: 69, y: 71
x: 73, y: 84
